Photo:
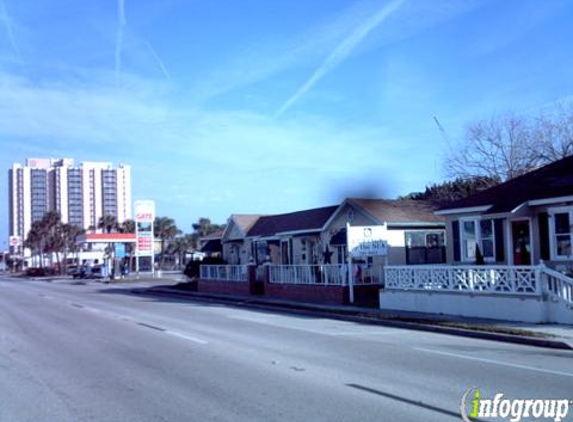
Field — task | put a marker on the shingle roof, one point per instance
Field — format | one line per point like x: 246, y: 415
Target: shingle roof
x: 306, y: 220
x: 552, y: 181
x: 398, y: 210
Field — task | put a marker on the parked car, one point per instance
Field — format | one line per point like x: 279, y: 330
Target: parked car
x: 88, y: 271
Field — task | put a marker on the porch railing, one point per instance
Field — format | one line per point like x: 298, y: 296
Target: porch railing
x: 520, y: 280
x: 558, y: 286
x: 326, y: 274
x: 238, y: 273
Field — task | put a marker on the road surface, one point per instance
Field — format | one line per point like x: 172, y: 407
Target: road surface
x: 95, y: 352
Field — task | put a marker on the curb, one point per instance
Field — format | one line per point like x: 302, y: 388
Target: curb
x: 353, y: 316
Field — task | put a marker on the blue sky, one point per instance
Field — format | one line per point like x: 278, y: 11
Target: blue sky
x: 269, y: 106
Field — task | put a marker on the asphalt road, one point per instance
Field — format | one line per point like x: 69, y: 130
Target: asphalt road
x: 94, y: 352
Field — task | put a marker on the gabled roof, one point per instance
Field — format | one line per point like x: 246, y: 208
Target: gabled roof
x: 300, y: 221
x: 403, y: 211
x: 243, y: 221
x: 551, y: 181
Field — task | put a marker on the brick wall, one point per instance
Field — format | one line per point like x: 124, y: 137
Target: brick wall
x: 330, y: 295
x: 223, y: 287
x: 367, y: 295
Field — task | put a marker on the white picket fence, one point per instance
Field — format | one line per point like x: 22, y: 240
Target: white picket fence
x: 326, y: 274
x: 521, y: 280
x: 237, y: 273
x: 482, y: 279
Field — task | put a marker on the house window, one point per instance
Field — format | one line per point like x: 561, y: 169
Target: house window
x: 487, y: 240
x: 424, y: 239
x: 469, y: 242
x: 477, y: 233
x: 425, y: 247
x: 561, y: 232
x: 261, y: 251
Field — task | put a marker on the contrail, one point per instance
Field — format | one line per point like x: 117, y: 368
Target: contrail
x: 158, y: 60
x: 119, y: 37
x: 341, y: 52
x: 8, y: 24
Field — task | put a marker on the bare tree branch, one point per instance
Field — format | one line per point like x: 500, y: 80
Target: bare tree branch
x: 507, y: 146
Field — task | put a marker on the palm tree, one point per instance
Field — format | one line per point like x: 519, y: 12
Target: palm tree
x: 43, y: 235
x: 179, y: 246
x: 128, y: 226
x: 202, y: 228
x: 69, y: 233
x: 107, y: 223
x: 165, y: 229
x: 34, y: 240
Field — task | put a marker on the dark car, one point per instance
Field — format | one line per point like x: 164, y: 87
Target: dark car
x: 88, y: 271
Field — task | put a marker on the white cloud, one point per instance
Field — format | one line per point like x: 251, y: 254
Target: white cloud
x: 342, y: 51
x: 131, y: 118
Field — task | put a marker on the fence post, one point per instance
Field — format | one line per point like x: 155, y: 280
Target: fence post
x: 539, y: 278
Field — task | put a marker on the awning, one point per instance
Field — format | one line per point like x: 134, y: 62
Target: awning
x: 213, y: 245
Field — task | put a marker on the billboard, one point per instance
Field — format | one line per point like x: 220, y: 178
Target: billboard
x: 144, y: 217
x: 366, y: 241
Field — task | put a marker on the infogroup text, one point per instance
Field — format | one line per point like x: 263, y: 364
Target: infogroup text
x: 474, y: 406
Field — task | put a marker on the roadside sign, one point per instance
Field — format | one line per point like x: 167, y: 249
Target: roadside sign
x: 119, y: 249
x: 14, y: 241
x: 144, y: 216
x: 366, y: 241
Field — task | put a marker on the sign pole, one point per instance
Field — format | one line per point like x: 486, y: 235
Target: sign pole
x: 349, y: 263
x: 364, y: 242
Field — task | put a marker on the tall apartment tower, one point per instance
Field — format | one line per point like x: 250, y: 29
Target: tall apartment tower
x: 82, y: 195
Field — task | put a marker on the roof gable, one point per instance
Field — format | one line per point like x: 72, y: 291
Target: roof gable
x: 238, y: 225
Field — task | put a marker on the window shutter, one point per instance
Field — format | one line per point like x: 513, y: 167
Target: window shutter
x: 456, y: 233
x: 499, y: 240
x: 543, y: 219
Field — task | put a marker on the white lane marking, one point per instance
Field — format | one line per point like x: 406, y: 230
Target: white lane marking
x: 186, y: 337
x: 496, y: 362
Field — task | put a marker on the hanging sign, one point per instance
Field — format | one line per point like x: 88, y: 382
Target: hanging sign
x: 366, y: 241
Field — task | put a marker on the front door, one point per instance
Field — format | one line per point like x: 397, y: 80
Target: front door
x: 520, y: 234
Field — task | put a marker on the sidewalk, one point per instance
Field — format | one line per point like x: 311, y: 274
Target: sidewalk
x: 541, y: 335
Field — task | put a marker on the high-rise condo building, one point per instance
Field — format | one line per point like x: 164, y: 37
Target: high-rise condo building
x: 82, y: 195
